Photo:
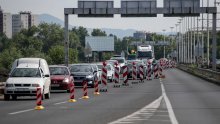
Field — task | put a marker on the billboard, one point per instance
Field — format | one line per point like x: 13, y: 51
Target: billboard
x: 100, y: 43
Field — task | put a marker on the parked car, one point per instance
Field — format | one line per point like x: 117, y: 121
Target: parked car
x: 81, y: 72
x: 60, y: 77
x: 27, y: 74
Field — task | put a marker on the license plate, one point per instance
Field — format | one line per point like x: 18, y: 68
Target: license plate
x: 55, y: 85
x: 22, y: 89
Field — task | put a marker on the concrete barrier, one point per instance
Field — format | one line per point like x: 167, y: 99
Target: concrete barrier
x: 206, y: 74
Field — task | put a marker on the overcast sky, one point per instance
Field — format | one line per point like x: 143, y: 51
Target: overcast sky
x: 56, y: 8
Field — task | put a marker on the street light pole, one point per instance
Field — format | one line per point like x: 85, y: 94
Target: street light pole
x: 180, y: 40
x: 207, y: 35
x: 191, y: 40
x: 185, y: 39
x: 164, y: 51
x: 202, y: 36
x: 194, y: 40
x: 198, y: 42
x: 188, y: 43
x: 172, y: 40
x: 177, y: 45
x: 182, y: 36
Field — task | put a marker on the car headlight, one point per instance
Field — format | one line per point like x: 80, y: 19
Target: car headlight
x: 66, y: 80
x: 9, y: 85
x: 89, y: 76
x: 35, y: 85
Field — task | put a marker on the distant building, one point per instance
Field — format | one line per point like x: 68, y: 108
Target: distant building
x: 23, y: 20
x: 139, y: 35
x: 5, y: 23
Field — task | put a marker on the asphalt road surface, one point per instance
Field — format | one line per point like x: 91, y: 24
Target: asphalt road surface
x: 179, y: 98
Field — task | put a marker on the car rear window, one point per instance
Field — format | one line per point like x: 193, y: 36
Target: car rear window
x: 80, y: 68
x: 58, y: 71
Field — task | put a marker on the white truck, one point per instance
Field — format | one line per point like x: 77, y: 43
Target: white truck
x: 27, y: 74
x: 145, y: 52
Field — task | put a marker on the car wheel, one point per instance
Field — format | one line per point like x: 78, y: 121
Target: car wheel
x: 6, y: 97
x: 43, y: 95
x: 92, y: 85
x: 112, y: 79
x: 47, y: 96
x: 68, y: 91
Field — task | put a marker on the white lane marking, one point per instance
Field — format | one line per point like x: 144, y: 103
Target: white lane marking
x: 154, y: 105
x: 168, y: 104
x: 18, y: 112
x: 60, y: 103
x: 124, y: 122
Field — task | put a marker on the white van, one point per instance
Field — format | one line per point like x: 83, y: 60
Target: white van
x: 27, y: 74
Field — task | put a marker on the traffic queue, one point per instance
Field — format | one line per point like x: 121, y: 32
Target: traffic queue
x: 28, y: 74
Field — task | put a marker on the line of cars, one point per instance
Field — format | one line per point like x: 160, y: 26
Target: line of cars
x: 29, y: 73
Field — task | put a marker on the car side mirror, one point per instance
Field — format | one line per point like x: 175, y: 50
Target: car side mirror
x: 94, y: 72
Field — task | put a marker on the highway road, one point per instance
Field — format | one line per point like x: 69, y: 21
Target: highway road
x: 179, y: 98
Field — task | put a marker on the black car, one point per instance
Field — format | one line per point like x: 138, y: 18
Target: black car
x: 82, y: 72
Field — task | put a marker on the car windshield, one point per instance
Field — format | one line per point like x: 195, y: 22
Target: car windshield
x: 146, y: 54
x: 131, y: 57
x: 99, y: 66
x: 108, y: 67
x: 81, y: 68
x: 94, y: 67
x: 26, y: 72
x: 111, y: 62
x: 59, y: 71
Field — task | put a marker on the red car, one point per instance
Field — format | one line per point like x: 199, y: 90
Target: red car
x: 60, y: 78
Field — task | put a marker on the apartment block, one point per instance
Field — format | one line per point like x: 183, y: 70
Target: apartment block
x: 6, y: 23
x: 23, y: 20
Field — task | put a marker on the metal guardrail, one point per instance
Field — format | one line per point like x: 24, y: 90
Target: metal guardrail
x: 207, y: 74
